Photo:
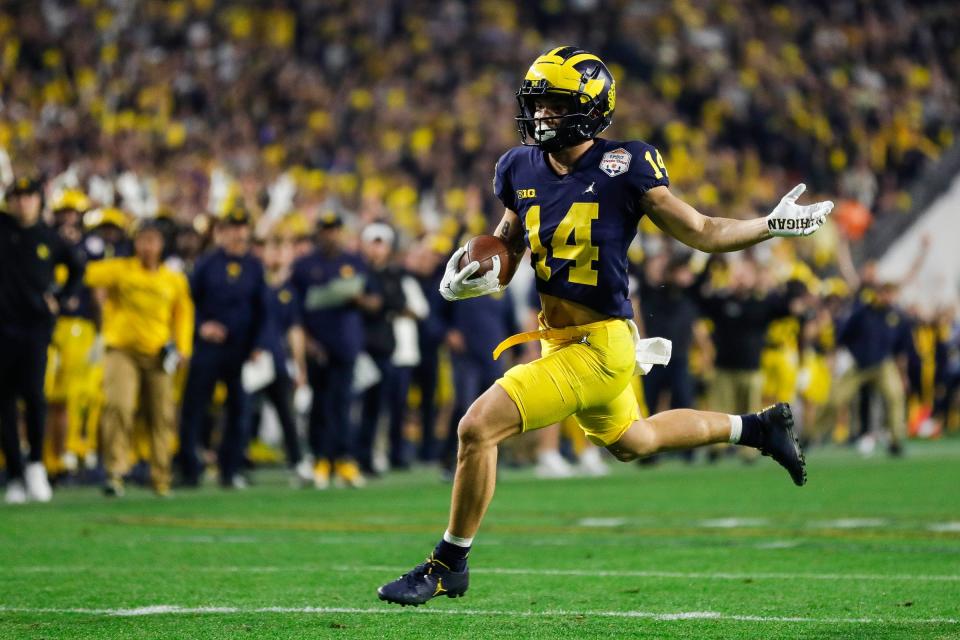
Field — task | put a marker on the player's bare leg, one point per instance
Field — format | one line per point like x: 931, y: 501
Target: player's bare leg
x: 770, y: 431
x: 491, y: 419
x: 671, y: 430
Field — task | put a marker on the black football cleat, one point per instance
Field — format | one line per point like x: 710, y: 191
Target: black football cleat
x: 425, y: 581
x: 780, y: 441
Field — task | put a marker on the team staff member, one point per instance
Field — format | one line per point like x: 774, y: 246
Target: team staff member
x: 741, y: 316
x: 147, y: 325
x: 73, y: 354
x: 431, y: 332
x: 389, y: 394
x: 29, y: 301
x: 874, y: 334
x: 326, y: 341
x: 231, y: 298
x: 668, y: 303
x: 279, y: 392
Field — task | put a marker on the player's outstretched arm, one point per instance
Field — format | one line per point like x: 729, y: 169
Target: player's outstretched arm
x: 714, y: 235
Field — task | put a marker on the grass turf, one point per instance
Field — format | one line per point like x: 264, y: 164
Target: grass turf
x: 866, y: 549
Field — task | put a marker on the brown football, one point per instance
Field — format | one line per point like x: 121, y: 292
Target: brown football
x: 482, y: 249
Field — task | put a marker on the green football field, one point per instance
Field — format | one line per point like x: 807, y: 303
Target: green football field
x: 870, y: 548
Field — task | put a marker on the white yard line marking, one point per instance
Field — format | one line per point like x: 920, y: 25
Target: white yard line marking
x: 733, y: 523
x: 165, y: 609
x: 850, y: 523
x: 777, y: 544
x: 945, y: 527
x: 602, y: 522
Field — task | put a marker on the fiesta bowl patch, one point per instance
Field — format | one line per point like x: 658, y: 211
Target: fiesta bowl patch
x: 615, y: 162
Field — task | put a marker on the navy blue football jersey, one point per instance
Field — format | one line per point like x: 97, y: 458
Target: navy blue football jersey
x: 579, y: 226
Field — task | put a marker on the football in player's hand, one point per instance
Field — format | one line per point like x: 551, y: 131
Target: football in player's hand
x: 482, y: 249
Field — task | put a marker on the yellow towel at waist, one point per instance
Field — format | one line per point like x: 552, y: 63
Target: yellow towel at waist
x: 576, y: 332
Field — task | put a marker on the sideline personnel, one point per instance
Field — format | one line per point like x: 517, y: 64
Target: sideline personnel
x: 147, y: 328
x: 29, y: 302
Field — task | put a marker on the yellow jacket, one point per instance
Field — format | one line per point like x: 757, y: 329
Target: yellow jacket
x: 144, y: 309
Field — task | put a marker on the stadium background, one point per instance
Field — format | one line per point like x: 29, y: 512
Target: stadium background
x: 397, y: 112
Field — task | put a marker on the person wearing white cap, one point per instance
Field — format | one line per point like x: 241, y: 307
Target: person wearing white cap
x: 391, y: 340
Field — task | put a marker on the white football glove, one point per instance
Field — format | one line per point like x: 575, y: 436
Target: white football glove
x: 791, y: 219
x: 457, y: 285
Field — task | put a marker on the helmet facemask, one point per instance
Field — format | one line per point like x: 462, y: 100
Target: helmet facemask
x: 552, y: 132
x: 583, y: 117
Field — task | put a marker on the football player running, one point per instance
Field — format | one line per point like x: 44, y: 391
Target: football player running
x: 575, y: 200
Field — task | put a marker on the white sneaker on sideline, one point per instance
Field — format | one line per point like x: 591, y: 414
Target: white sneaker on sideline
x: 591, y: 463
x: 90, y: 460
x: 70, y: 461
x: 551, y: 466
x: 38, y: 487
x: 16, y: 492
x: 303, y: 473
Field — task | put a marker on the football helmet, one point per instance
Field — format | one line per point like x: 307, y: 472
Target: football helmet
x: 581, y: 83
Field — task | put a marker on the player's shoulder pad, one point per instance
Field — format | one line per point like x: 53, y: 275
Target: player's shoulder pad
x: 511, y: 155
x: 502, y: 181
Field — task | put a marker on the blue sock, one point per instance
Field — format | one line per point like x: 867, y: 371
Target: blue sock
x: 452, y: 555
x: 752, y: 433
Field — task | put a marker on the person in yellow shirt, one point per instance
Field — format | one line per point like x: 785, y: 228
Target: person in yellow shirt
x: 147, y: 329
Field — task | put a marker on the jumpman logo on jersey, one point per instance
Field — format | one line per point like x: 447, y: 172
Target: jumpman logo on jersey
x: 590, y: 189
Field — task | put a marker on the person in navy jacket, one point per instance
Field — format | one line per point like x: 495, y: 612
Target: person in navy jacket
x: 231, y: 298
x: 277, y: 256
x: 329, y: 285
x: 876, y: 333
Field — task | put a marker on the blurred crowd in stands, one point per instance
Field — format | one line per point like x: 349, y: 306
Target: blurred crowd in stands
x: 303, y: 169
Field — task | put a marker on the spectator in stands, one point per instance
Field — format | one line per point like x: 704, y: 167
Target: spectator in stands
x: 148, y: 332
x: 139, y: 100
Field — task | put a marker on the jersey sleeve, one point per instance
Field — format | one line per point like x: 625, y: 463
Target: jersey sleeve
x: 502, y: 182
x: 647, y: 168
